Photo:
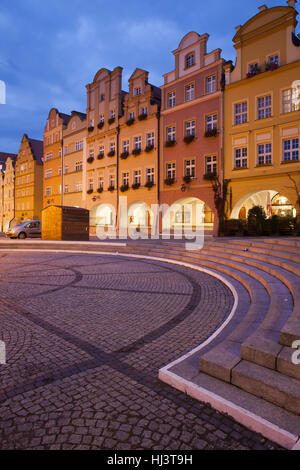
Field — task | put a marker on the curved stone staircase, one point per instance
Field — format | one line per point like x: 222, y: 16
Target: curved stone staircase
x: 247, y: 369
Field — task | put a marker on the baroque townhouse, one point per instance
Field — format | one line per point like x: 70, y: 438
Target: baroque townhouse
x: 29, y: 180
x: 191, y: 132
x: 5, y: 208
x: 262, y: 114
x: 139, y: 150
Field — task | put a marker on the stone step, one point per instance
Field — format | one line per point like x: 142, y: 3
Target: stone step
x: 268, y: 384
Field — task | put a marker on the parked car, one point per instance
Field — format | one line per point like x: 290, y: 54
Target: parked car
x: 30, y: 229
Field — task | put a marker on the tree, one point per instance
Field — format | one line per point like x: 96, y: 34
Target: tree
x: 256, y: 220
x: 220, y: 190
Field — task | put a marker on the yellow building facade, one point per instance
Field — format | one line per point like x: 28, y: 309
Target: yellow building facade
x: 138, y: 150
x: 74, y: 146
x: 262, y: 114
x: 9, y: 193
x: 3, y: 158
x: 29, y: 180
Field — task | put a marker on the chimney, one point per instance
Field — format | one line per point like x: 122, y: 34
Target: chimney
x: 263, y: 8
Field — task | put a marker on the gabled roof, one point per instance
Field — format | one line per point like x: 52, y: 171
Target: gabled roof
x: 4, y: 156
x: 37, y: 149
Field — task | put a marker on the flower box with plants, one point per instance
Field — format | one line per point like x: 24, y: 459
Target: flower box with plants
x: 129, y: 122
x: 187, y: 179
x: 211, y: 175
x: 90, y: 128
x: 100, y: 156
x: 271, y: 67
x: 143, y: 116
x: 124, y: 155
x: 170, y: 143
x: 90, y: 159
x: 149, y: 184
x: 149, y: 148
x: 211, y: 133
x: 136, y: 185
x: 253, y: 72
x: 189, y: 138
x: 111, y: 120
x: 90, y: 191
x: 124, y: 188
x: 100, y: 190
x: 136, y: 152
x: 169, y: 181
x: 111, y: 153
x: 111, y: 188
x: 100, y: 124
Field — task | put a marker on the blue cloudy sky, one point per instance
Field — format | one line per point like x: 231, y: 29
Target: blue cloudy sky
x: 49, y: 51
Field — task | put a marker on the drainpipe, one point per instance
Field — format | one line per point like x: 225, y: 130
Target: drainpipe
x: 117, y: 176
x: 62, y: 171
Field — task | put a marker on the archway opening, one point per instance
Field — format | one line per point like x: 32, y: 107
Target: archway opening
x: 272, y: 202
x: 189, y: 212
x: 102, y: 215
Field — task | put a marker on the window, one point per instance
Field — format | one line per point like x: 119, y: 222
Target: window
x: 59, y: 153
x: 144, y: 110
x: 78, y: 145
x: 274, y: 60
x: 171, y: 99
x: 291, y: 100
x: 100, y: 182
x: 137, y: 176
x: 171, y: 170
x: 241, y: 157
x: 66, y: 190
x: 240, y: 113
x: 190, y: 128
x: 48, y: 157
x: 150, y: 139
x: 264, y: 154
x: 111, y: 180
x: 131, y: 115
x: 48, y: 173
x: 125, y: 179
x: 28, y: 179
x: 138, y: 91
x: 101, y: 118
x: 189, y: 168
x: 211, y: 84
x: 59, y: 171
x: 113, y: 114
x: 171, y: 133
x: 125, y: 146
x: 78, y: 187
x: 138, y: 143
x: 189, y: 60
x: 91, y: 153
x: 66, y: 150
x: 91, y: 184
x: 101, y: 150
x: 150, y: 175
x: 102, y: 97
x: 211, y: 164
x: 211, y: 122
x: 78, y: 166
x: 264, y: 107
x: 66, y: 169
x: 253, y: 67
x: 189, y: 92
x: 112, y: 146
x: 28, y: 192
x: 48, y: 191
x: 291, y: 150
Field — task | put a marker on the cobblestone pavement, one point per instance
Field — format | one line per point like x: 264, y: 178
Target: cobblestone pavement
x: 85, y: 337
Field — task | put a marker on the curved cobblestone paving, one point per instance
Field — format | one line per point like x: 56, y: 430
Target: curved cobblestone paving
x: 85, y: 337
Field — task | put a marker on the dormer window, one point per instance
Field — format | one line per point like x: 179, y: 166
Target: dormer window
x: 190, y: 60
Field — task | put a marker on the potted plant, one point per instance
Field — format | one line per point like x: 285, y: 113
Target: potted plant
x: 111, y: 120
x: 136, y: 185
x: 149, y: 148
x: 169, y: 181
x: 111, y: 153
x: 143, y: 116
x: 111, y: 188
x: 100, y: 124
x: 149, y: 184
x: 90, y: 159
x: 136, y: 152
x: 124, y: 188
x: 170, y: 143
x: 189, y: 138
x: 211, y: 132
x: 100, y: 156
x: 90, y: 128
x: 100, y: 190
x: 90, y: 191
x: 130, y: 121
x: 124, y: 155
x: 209, y: 176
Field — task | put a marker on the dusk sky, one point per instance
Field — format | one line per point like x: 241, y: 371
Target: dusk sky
x: 50, y: 51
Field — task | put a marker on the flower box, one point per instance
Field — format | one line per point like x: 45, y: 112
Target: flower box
x: 90, y: 191
x: 90, y: 128
x: 143, y: 116
x: 100, y: 125
x: 169, y: 181
x: 136, y: 152
x: 90, y: 159
x: 211, y: 133
x: 189, y: 138
x: 187, y: 179
x: 149, y: 148
x: 149, y: 184
x: 124, y: 188
x: 100, y: 156
x: 111, y: 153
x: 111, y: 188
x: 130, y: 122
x: 136, y: 185
x: 124, y: 155
x: 209, y: 176
x: 170, y: 143
x: 100, y: 190
x: 271, y: 67
x: 111, y: 120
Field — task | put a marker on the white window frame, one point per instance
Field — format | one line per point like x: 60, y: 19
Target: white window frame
x: 292, y: 151
x: 241, y: 157
x: 171, y: 133
x: 171, y: 170
x: 264, y: 106
x: 171, y: 99
x: 190, y: 128
x: 265, y: 157
x: 190, y: 167
x: 242, y: 114
x: 211, y: 84
x: 189, y: 92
